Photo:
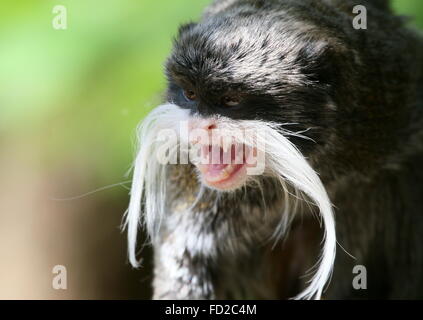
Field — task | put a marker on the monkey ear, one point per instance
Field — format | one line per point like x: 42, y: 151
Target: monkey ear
x: 186, y: 27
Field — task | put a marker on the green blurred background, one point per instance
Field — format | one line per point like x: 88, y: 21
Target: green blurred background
x: 69, y: 103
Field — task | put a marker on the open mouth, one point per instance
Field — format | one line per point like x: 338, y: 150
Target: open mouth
x: 224, y: 169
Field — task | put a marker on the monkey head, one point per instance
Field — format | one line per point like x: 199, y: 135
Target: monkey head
x: 248, y: 67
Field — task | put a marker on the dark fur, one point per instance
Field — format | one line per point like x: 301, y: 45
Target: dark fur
x: 360, y: 92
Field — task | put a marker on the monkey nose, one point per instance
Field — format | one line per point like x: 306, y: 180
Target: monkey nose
x: 201, y: 127
x: 208, y: 124
x: 203, y: 124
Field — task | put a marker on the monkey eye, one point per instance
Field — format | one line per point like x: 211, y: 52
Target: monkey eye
x: 230, y: 101
x: 189, y: 95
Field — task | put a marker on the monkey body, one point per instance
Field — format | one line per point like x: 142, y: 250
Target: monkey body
x: 361, y: 93
x: 218, y: 249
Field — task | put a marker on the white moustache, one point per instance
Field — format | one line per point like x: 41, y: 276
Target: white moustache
x: 283, y: 161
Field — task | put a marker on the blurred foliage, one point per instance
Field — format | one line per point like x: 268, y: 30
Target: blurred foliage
x: 79, y: 93
x: 410, y: 8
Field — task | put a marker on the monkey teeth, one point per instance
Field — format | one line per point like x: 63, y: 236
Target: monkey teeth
x: 217, y: 172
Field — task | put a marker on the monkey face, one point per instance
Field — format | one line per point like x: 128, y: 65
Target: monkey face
x: 246, y: 67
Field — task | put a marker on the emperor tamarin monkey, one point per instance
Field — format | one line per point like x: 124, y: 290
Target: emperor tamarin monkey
x: 338, y: 113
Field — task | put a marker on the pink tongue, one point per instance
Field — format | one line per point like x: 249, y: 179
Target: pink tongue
x: 218, y: 159
x: 215, y: 169
x: 216, y: 163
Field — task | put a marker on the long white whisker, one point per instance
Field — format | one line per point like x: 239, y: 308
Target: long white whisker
x: 110, y: 186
